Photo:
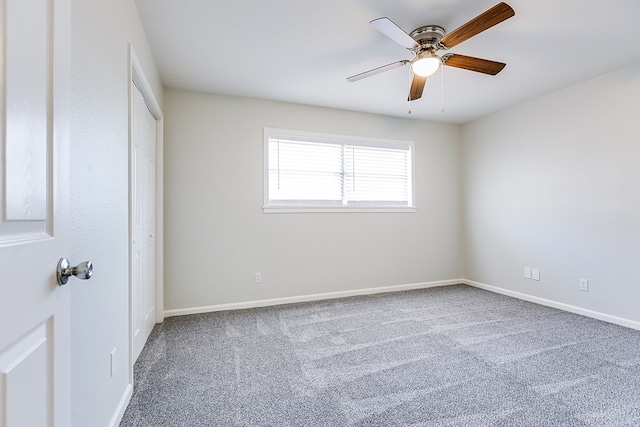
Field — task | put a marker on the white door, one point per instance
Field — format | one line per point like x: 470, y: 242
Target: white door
x: 143, y: 212
x: 34, y: 162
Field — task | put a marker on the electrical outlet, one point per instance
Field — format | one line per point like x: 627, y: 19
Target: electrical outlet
x: 257, y: 278
x: 584, y: 285
x: 113, y: 362
x: 527, y: 272
x: 535, y: 274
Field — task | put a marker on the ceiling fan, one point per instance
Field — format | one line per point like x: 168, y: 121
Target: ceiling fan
x: 425, y: 41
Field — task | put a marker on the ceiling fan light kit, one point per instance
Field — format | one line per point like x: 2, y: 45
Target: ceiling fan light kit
x: 425, y: 64
x: 425, y: 41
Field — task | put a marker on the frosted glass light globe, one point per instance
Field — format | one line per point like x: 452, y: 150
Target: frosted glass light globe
x: 425, y: 64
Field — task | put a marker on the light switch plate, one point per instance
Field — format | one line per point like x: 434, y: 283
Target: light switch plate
x: 113, y: 363
x: 527, y: 272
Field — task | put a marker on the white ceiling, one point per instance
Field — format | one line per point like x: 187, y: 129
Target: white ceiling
x: 302, y: 51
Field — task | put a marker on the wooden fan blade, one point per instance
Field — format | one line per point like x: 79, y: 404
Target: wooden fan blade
x: 387, y: 27
x: 488, y: 19
x: 417, y: 86
x: 377, y: 70
x: 473, y: 64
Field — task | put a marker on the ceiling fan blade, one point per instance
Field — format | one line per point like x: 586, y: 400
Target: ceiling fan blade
x: 377, y: 70
x: 387, y: 27
x: 473, y: 64
x: 484, y: 21
x: 417, y: 86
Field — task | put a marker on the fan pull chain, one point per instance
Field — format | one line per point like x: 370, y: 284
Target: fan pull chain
x: 410, y: 79
x: 353, y: 166
x: 442, y: 88
x: 278, y: 164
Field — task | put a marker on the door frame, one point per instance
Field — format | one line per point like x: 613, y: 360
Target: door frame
x: 138, y: 77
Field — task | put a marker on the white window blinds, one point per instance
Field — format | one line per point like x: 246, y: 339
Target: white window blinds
x: 310, y: 170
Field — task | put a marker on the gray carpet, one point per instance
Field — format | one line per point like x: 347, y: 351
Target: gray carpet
x: 448, y: 356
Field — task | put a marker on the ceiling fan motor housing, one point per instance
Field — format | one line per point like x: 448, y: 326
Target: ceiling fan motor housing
x: 428, y: 36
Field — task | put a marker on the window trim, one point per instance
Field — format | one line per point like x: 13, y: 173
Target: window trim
x: 325, y: 137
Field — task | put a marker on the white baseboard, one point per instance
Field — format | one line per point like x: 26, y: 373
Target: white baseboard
x: 306, y: 298
x: 397, y: 288
x: 562, y: 306
x: 122, y: 407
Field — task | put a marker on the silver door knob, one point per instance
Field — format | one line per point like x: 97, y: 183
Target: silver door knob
x: 83, y: 271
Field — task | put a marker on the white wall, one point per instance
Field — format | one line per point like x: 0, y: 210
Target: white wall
x: 217, y: 235
x: 101, y: 31
x: 555, y: 184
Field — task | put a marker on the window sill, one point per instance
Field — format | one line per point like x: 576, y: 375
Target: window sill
x: 334, y: 209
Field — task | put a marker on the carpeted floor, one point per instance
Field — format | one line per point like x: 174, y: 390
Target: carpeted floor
x: 448, y: 356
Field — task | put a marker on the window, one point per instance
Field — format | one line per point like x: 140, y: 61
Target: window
x: 307, y: 172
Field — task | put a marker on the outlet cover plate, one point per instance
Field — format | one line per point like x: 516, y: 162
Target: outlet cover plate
x: 584, y: 285
x: 535, y: 273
